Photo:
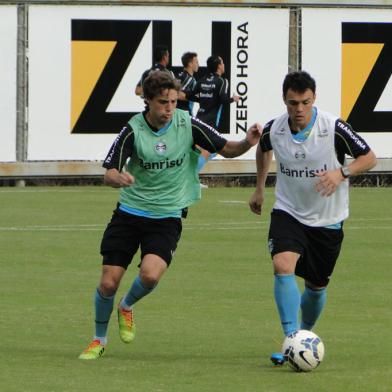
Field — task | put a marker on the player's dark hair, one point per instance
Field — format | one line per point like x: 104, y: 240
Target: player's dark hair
x: 298, y: 81
x: 213, y: 62
x: 187, y: 57
x: 156, y: 82
x: 159, y: 52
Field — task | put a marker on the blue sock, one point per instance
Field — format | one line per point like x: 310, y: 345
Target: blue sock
x: 312, y: 304
x: 136, y: 292
x: 287, y: 298
x: 103, y: 310
x: 201, y: 162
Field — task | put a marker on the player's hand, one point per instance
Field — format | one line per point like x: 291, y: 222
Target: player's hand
x: 254, y: 133
x: 117, y: 179
x: 328, y: 182
x: 182, y: 96
x: 235, y: 98
x: 125, y: 179
x: 256, y: 201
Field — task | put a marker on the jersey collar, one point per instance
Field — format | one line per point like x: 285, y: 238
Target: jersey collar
x: 303, y: 134
x: 158, y: 132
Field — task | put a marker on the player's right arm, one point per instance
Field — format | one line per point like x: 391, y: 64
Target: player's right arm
x: 264, y: 155
x: 139, y: 86
x: 224, y: 93
x: 118, y: 154
x: 139, y: 90
x: 117, y: 179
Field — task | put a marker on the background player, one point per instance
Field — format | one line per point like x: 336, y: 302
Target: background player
x: 212, y: 92
x: 161, y: 61
x: 186, y: 77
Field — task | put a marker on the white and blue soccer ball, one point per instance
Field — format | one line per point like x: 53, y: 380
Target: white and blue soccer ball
x: 303, y: 350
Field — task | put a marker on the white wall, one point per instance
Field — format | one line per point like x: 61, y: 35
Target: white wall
x: 322, y: 57
x: 50, y: 71
x: 50, y: 68
x: 8, y: 35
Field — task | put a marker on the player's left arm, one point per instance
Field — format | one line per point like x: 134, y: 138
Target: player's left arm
x: 193, y: 93
x: 224, y: 93
x: 347, y: 142
x: 211, y: 140
x: 188, y: 87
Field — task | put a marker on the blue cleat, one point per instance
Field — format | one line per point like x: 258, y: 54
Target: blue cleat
x: 278, y: 359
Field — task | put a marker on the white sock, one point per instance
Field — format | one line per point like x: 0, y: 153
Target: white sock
x: 103, y: 340
x: 124, y: 306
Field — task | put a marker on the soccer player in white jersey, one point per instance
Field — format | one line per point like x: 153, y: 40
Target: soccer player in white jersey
x: 306, y: 234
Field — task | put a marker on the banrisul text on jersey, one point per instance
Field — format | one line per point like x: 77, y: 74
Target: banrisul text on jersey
x: 160, y: 165
x: 299, y: 173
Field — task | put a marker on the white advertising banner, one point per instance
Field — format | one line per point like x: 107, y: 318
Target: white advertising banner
x: 85, y: 61
x: 8, y: 41
x: 349, y: 53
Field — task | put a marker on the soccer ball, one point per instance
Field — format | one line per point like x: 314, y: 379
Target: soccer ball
x: 303, y: 350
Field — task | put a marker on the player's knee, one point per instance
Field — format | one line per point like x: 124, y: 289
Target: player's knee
x: 283, y: 266
x: 108, y: 286
x: 149, y: 278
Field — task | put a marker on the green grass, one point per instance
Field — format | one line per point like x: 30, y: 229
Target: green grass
x: 210, y: 325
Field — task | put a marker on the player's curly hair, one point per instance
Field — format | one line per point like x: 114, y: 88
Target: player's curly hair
x: 156, y: 82
x: 298, y: 81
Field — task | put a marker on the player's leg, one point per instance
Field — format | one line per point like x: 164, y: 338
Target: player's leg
x: 104, y: 299
x: 158, y: 243
x: 323, y: 250
x: 286, y: 292
x: 103, y: 303
x: 287, y: 296
x: 204, y: 157
x: 151, y: 270
x: 313, y: 300
x: 286, y: 244
x: 119, y: 243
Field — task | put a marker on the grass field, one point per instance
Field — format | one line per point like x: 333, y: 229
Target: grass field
x: 211, y: 323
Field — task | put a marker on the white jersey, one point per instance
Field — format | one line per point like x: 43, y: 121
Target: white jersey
x: 297, y: 162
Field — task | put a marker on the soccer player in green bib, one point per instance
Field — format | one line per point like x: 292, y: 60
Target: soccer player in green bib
x: 154, y: 162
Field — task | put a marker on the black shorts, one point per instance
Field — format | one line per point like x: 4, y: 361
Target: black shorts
x: 126, y: 233
x: 319, y: 247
